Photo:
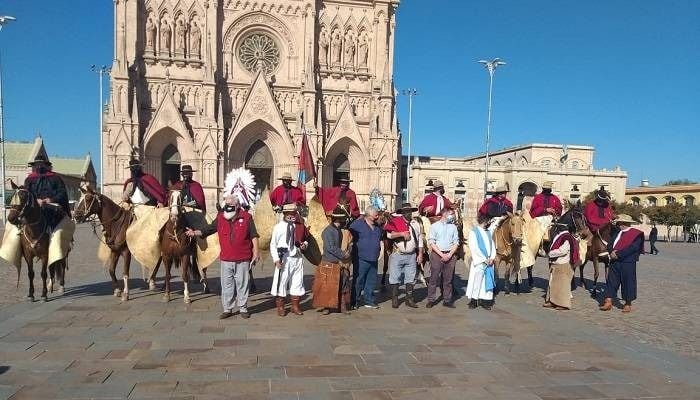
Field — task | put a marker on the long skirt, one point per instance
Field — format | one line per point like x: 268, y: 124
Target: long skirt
x: 559, y: 290
x: 476, y: 285
x: 331, y: 286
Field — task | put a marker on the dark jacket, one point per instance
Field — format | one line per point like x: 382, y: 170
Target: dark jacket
x: 48, y: 186
x: 332, y: 239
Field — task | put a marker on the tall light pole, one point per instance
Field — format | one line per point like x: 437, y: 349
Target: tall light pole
x: 491, y: 67
x: 3, y: 20
x: 410, y: 93
x: 101, y: 72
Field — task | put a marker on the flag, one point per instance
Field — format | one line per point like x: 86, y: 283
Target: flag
x: 307, y: 171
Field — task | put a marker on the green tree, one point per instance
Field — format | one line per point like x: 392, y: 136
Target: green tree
x: 675, y: 182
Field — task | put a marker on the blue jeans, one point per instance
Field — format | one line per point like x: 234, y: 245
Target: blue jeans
x: 365, y: 278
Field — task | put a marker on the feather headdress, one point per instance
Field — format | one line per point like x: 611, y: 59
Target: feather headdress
x: 240, y: 182
x: 376, y: 199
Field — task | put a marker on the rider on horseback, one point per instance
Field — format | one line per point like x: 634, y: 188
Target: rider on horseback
x: 433, y: 203
x: 142, y: 188
x: 496, y: 207
x: 599, y: 212
x: 49, y: 190
x: 340, y: 195
x: 286, y: 194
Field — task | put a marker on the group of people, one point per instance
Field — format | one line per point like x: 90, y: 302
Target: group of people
x: 340, y: 287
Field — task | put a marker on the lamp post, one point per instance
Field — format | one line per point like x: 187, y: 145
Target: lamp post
x: 410, y: 93
x: 491, y: 67
x: 3, y: 20
x: 101, y: 72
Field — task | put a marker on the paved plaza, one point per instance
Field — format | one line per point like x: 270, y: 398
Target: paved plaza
x: 88, y: 344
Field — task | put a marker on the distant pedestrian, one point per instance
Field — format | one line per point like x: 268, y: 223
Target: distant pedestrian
x: 653, y: 237
x: 444, y: 242
x: 624, y: 254
x: 366, y: 236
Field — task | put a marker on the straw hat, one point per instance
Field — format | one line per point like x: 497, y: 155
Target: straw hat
x: 625, y: 219
x: 289, y: 208
x: 548, y: 185
x: 438, y: 184
x: 500, y: 189
x: 286, y: 177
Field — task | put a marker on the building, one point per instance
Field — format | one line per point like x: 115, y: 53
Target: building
x: 73, y: 171
x: 223, y: 84
x: 521, y: 168
x: 646, y: 195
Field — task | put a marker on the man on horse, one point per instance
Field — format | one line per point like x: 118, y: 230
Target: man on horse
x: 286, y: 194
x: 340, y: 195
x: 142, y: 188
x: 49, y: 191
x: 433, y: 203
x: 599, y: 212
x: 497, y: 206
x: 191, y: 190
x: 546, y: 207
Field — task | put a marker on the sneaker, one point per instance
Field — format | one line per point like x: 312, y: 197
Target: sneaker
x: 225, y: 314
x: 371, y: 305
x: 429, y: 304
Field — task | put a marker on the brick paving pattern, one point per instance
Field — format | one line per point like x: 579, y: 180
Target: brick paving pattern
x: 87, y: 344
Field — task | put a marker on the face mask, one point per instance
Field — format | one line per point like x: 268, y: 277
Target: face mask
x: 547, y: 191
x: 187, y: 178
x: 290, y: 218
x: 450, y: 219
x: 286, y: 184
x: 408, y: 216
x: 136, y: 171
x: 229, y: 208
x: 441, y: 191
x: 43, y: 170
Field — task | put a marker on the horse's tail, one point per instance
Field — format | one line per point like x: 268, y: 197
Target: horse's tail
x: 19, y: 269
x: 194, y: 271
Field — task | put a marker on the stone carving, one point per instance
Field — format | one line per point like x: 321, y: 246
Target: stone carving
x: 150, y: 34
x: 363, y: 51
x: 335, y: 49
x: 180, y: 37
x: 165, y: 38
x: 258, y: 18
x: 259, y: 51
x: 323, y: 48
x: 195, y: 41
x: 349, y: 50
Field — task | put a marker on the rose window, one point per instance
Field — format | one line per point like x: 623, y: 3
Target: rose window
x: 259, y: 51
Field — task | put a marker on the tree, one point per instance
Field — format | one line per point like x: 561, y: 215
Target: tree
x: 675, y: 182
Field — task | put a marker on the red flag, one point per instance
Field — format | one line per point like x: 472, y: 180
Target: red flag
x: 307, y: 170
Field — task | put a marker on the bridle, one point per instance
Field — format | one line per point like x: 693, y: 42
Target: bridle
x: 87, y: 207
x: 16, y: 202
x: 174, y: 235
x: 30, y: 200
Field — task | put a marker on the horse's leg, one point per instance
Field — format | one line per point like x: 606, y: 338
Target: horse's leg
x: 113, y: 259
x: 251, y: 279
x: 44, y: 276
x: 126, y: 260
x: 205, y: 282
x: 517, y: 279
x: 506, y: 283
x: 185, y: 268
x: 30, y: 275
x: 582, y: 280
x: 167, y: 263
x: 52, y: 274
x: 530, y: 281
x: 596, y: 272
x: 152, y: 278
x: 61, y: 276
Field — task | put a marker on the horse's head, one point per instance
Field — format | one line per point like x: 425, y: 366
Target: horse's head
x: 175, y: 204
x: 515, y: 224
x: 90, y: 204
x: 23, y: 206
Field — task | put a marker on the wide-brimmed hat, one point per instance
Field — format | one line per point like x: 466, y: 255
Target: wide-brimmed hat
x: 187, y: 168
x: 437, y: 184
x: 603, y: 195
x: 133, y: 163
x: 291, y: 207
x: 406, y: 207
x: 40, y: 158
x: 548, y: 185
x: 499, y: 189
x: 338, y: 212
x: 344, y: 180
x: 624, y: 218
x: 286, y: 177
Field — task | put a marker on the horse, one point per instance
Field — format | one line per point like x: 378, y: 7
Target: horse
x: 25, y: 213
x: 597, y: 252
x: 509, y: 240
x: 114, y: 220
x: 176, y: 246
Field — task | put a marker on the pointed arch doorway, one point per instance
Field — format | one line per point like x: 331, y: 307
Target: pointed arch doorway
x: 341, y: 168
x: 170, y: 165
x: 259, y: 161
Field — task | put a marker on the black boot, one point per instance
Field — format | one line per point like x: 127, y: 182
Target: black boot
x: 487, y: 304
x: 409, y: 296
x: 473, y: 304
x: 394, y: 296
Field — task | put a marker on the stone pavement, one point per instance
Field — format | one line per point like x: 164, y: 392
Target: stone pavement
x: 87, y: 344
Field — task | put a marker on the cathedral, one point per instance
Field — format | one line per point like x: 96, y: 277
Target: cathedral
x: 219, y: 84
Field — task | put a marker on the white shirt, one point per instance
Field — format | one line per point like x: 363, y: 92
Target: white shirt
x: 138, y: 197
x: 478, y: 257
x: 560, y: 255
x: 409, y: 246
x: 279, y: 240
x: 440, y: 203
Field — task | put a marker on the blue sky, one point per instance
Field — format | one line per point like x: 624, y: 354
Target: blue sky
x: 616, y: 74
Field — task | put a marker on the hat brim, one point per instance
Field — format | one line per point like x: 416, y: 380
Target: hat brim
x: 187, y: 170
x: 337, y: 215
x: 134, y: 165
x: 412, y: 209
x: 344, y: 180
x: 625, y: 221
x: 285, y: 178
x: 33, y: 163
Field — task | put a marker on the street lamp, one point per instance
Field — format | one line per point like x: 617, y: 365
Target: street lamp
x: 101, y: 71
x: 410, y: 93
x: 3, y: 20
x: 491, y: 67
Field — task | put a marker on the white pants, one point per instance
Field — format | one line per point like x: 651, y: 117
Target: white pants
x: 292, y: 276
x: 476, y: 286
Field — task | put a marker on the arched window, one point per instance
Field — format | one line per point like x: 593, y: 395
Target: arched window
x: 669, y: 200
x: 170, y: 165
x: 651, y: 200
x: 689, y: 201
x: 635, y: 201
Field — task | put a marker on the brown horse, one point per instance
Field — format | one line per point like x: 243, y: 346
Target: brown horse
x: 597, y: 253
x: 175, y: 246
x: 509, y: 240
x: 114, y: 220
x: 25, y: 213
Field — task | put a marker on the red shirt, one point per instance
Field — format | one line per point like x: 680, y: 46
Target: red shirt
x: 542, y: 202
x: 594, y: 219
x: 281, y: 196
x: 329, y: 198
x: 494, y: 207
x: 431, y: 200
x: 235, y: 236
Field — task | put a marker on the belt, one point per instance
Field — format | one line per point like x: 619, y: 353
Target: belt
x: 397, y: 251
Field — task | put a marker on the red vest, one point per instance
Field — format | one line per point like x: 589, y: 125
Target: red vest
x: 234, y: 238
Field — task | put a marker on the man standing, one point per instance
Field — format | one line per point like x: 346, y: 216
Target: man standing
x: 340, y: 195
x: 367, y: 236
x: 404, y: 231
x: 433, y: 203
x: 286, y: 194
x: 598, y: 212
x: 238, y: 239
x: 443, y: 241
x: 288, y: 242
x: 653, y: 237
x: 142, y: 188
x: 49, y: 190
x: 624, y: 254
x: 332, y: 281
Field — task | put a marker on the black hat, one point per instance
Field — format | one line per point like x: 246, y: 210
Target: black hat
x: 40, y: 158
x: 344, y: 180
x: 187, y: 168
x: 406, y: 207
x: 133, y: 163
x: 338, y: 212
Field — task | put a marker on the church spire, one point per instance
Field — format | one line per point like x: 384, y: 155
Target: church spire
x: 220, y: 112
x: 386, y: 80
x: 309, y: 83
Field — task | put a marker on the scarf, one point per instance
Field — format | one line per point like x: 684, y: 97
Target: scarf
x: 439, y: 203
x: 565, y: 236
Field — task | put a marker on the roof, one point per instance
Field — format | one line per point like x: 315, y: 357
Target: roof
x: 663, y: 189
x: 20, y: 153
x: 71, y: 166
x: 515, y: 148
